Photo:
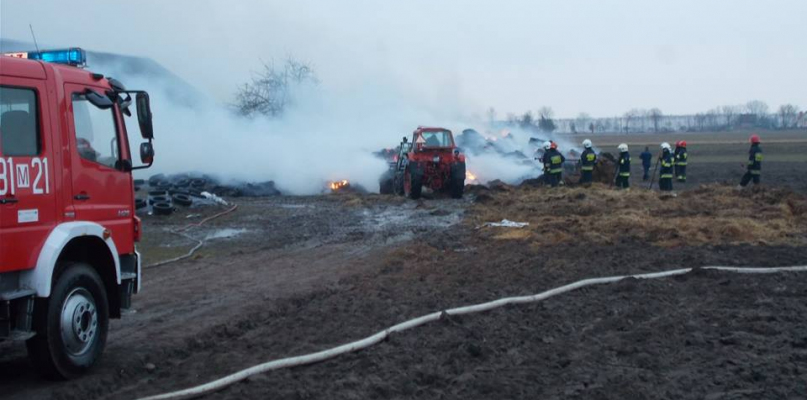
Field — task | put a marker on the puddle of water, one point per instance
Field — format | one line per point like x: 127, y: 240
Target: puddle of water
x: 224, y: 233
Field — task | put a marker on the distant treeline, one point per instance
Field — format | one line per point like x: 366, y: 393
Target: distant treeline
x: 754, y: 115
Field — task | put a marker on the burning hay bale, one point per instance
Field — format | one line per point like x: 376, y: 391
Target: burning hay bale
x: 344, y: 186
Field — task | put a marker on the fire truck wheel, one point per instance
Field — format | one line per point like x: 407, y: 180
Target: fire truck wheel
x: 182, y: 199
x: 71, y: 324
x: 162, y: 209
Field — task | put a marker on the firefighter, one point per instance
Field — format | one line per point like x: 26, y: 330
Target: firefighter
x: 587, y: 160
x: 553, y: 164
x: 680, y: 160
x: 647, y: 159
x: 665, y: 179
x: 754, y: 165
x: 623, y: 168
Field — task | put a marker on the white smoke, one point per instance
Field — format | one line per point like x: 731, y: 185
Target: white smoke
x: 328, y: 134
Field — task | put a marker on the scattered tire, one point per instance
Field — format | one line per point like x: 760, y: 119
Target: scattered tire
x: 158, y: 193
x: 71, y: 324
x: 178, y: 191
x: 137, y: 188
x: 196, y: 193
x: 140, y: 203
x: 154, y: 179
x: 199, y: 182
x: 183, y: 183
x: 162, y: 208
x: 182, y: 199
x: 164, y: 185
x: 159, y: 199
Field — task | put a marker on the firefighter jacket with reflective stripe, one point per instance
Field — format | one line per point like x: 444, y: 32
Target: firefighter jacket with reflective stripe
x: 624, y: 164
x: 666, y: 165
x: 553, y: 161
x: 587, y: 160
x: 755, y: 159
x: 681, y: 156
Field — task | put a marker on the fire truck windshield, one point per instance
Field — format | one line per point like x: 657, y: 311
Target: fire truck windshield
x: 436, y: 139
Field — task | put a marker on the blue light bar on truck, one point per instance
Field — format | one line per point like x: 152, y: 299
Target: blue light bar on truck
x: 73, y: 56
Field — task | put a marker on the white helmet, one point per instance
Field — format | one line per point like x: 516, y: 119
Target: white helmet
x: 623, y: 147
x: 665, y: 146
x: 547, y: 145
x: 587, y: 143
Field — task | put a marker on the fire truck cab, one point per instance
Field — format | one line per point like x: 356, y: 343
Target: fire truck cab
x: 67, y: 224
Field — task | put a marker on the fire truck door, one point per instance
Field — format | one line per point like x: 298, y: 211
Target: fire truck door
x: 102, y: 190
x: 27, y: 195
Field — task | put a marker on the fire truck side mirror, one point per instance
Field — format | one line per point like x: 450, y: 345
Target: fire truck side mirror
x: 144, y: 117
x: 146, y: 153
x: 98, y: 100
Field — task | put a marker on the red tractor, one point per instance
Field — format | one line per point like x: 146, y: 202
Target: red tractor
x: 431, y: 159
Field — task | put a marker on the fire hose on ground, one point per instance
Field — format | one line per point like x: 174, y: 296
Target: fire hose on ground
x: 412, y: 323
x: 199, y: 243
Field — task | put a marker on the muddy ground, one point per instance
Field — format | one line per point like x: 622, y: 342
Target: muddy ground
x: 285, y: 276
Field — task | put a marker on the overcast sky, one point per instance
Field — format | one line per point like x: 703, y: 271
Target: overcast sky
x: 600, y: 57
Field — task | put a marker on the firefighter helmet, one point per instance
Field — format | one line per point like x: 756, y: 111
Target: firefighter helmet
x: 665, y: 146
x: 587, y: 143
x: 547, y: 145
x: 623, y: 147
x: 754, y: 138
x: 682, y: 143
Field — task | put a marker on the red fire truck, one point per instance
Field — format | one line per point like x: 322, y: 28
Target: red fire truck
x: 67, y: 224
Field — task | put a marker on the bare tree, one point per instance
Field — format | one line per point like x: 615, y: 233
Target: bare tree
x: 758, y: 108
x: 270, y: 91
x: 583, y: 120
x: 729, y: 112
x: 788, y: 113
x: 546, y: 112
x: 655, y: 116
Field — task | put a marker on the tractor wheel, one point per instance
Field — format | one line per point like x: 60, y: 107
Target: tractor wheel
x: 398, y: 185
x: 457, y: 183
x: 385, y: 186
x: 71, y: 325
x: 457, y: 188
x: 413, y: 182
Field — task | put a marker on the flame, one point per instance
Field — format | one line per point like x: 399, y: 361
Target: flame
x: 469, y: 176
x: 339, y: 184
